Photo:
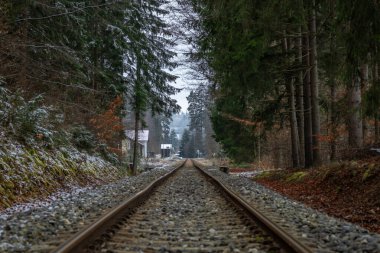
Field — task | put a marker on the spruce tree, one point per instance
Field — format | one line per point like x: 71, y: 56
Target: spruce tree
x: 149, y: 57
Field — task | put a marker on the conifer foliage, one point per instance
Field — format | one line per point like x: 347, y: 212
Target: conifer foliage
x: 89, y: 58
x: 305, y: 72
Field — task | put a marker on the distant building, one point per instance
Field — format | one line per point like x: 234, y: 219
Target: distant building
x: 166, y: 150
x: 127, y: 144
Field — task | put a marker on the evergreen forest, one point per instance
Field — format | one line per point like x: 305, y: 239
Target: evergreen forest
x: 68, y: 69
x: 282, y: 108
x: 292, y: 82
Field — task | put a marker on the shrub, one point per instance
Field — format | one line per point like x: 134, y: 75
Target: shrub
x: 26, y: 119
x: 82, y: 138
x: 107, y: 155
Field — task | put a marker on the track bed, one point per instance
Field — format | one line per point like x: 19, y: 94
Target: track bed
x: 188, y: 214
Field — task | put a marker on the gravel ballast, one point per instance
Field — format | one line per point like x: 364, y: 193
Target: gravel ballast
x: 42, y: 225
x: 327, y: 234
x: 188, y: 214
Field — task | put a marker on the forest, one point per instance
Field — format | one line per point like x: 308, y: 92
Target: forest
x: 294, y: 90
x: 282, y: 125
x: 283, y: 109
x: 69, y: 67
x: 292, y: 82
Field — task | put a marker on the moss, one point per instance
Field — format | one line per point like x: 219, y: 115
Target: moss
x: 353, y: 165
x: 243, y: 165
x: 264, y: 175
x: 39, y: 162
x: 5, y: 203
x: 369, y: 173
x: 259, y: 239
x: 11, y: 197
x: 3, y: 164
x: 34, y: 172
x: 8, y: 184
x: 328, y: 173
x: 2, y: 190
x: 296, y: 176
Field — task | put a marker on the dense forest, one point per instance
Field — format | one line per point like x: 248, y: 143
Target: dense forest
x: 67, y: 71
x: 80, y: 62
x: 283, y: 111
x: 293, y: 82
x: 198, y: 139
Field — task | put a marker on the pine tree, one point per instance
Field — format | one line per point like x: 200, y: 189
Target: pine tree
x: 199, y: 102
x: 185, y: 142
x: 149, y: 56
x: 174, y: 140
x: 362, y: 24
x: 84, y: 54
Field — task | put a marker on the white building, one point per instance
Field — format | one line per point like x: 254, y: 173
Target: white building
x: 143, y: 139
x: 166, y: 150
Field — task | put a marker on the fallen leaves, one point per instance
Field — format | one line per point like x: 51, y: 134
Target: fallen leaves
x: 339, y: 191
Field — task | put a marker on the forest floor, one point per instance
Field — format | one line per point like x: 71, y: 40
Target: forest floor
x: 348, y: 190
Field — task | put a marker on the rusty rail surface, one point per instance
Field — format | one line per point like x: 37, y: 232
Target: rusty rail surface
x: 287, y: 241
x: 84, y: 238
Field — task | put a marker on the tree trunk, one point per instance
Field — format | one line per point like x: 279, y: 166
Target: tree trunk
x: 24, y: 71
x: 211, y: 144
x: 363, y: 87
x: 308, y: 131
x: 137, y: 109
x: 376, y: 82
x: 95, y: 56
x: 314, y: 87
x: 333, y: 125
x: 376, y: 128
x: 289, y: 82
x: 276, y: 157
x: 293, y: 124
x: 136, y: 143
x: 355, y: 124
x: 299, y: 100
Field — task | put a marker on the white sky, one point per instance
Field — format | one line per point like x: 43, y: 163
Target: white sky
x: 182, y: 47
x: 181, y: 96
x: 181, y: 81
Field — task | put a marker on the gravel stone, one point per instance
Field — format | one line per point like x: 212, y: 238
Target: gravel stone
x: 163, y: 221
x: 42, y: 225
x: 325, y: 233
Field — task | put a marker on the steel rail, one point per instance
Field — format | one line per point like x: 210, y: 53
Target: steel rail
x: 85, y: 237
x: 287, y: 241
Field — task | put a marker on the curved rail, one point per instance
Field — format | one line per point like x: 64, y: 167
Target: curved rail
x: 88, y: 235
x: 285, y: 239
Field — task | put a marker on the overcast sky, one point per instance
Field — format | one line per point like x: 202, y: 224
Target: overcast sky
x: 181, y: 83
x: 182, y: 47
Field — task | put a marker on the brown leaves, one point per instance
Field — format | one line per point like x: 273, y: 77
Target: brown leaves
x: 342, y: 193
x: 108, y: 125
x: 241, y: 121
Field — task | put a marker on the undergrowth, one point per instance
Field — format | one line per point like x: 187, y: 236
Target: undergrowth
x: 28, y: 172
x: 38, y: 156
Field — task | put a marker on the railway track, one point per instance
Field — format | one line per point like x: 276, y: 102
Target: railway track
x: 184, y: 211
